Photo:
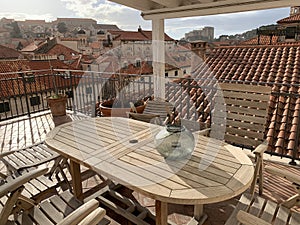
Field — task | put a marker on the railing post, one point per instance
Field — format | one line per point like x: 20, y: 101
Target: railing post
x: 296, y: 142
x: 188, y: 93
x: 25, y: 93
x: 93, y: 95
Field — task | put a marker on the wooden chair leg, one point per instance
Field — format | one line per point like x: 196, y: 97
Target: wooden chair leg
x: 9, y: 205
x: 261, y: 177
x: 258, y: 175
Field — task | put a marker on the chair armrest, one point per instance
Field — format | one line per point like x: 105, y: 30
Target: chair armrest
x: 204, y: 132
x: 283, y: 173
x: 94, y: 217
x: 2, y: 175
x: 88, y: 211
x: 133, y: 108
x: 6, y: 154
x: 248, y: 219
x: 260, y: 149
x: 142, y: 117
x: 14, y: 184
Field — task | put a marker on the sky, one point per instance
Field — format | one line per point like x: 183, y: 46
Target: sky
x: 106, y: 12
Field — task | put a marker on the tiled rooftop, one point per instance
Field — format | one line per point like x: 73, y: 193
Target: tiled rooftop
x: 141, y: 35
x: 275, y: 66
x: 24, y: 131
x: 291, y: 19
x: 8, y: 53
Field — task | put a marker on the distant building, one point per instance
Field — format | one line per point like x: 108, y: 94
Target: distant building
x: 286, y: 31
x: 291, y: 25
x: 8, y: 53
x: 204, y: 34
x: 76, y: 22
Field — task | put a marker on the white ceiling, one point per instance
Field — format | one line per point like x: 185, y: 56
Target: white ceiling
x: 166, y: 9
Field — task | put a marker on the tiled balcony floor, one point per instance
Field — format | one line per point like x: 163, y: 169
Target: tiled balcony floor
x: 21, y: 132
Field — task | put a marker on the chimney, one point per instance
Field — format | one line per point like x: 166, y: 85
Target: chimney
x: 199, y: 48
x: 294, y: 10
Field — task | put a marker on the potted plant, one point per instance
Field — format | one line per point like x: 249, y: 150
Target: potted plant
x: 115, y: 107
x: 119, y: 106
x: 57, y: 102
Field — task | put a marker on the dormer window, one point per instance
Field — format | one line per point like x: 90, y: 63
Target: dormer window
x: 61, y: 57
x: 138, y: 63
x: 125, y: 65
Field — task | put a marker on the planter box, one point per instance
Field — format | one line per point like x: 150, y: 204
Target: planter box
x: 107, y: 109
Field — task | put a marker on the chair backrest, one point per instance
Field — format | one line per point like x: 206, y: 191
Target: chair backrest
x: 161, y: 108
x: 155, y: 111
x: 246, y: 113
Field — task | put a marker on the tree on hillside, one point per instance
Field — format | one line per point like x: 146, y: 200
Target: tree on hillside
x: 16, y: 32
x: 62, y: 28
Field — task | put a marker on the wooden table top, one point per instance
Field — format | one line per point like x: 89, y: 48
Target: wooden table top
x: 215, y: 172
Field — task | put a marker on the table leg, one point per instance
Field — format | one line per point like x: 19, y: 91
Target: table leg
x: 76, y: 179
x: 161, y: 209
x: 199, y: 215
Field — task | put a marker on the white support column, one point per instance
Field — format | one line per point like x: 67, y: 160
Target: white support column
x: 158, y: 39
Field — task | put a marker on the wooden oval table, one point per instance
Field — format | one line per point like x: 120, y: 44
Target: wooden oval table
x: 124, y: 151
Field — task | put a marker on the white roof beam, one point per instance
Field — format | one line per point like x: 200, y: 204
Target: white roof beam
x: 142, y: 5
x: 218, y: 7
x: 169, y: 3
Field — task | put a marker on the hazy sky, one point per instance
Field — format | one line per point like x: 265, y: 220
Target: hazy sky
x: 128, y: 19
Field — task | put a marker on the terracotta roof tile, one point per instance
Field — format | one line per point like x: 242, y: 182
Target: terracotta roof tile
x: 262, y: 40
x: 291, y: 19
x: 10, y: 71
x: 59, y: 49
x: 134, y: 35
x: 9, y: 53
x: 277, y: 65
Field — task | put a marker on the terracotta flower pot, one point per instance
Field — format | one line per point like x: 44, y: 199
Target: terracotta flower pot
x: 108, y: 109
x: 57, y: 105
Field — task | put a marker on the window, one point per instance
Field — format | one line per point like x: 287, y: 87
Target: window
x: 66, y: 75
x: 70, y: 94
x: 166, y: 74
x: 4, y: 107
x: 290, y: 32
x: 89, y: 90
x: 138, y: 63
x: 176, y: 73
x: 61, y: 57
x: 125, y: 65
x: 29, y: 79
x: 36, y: 100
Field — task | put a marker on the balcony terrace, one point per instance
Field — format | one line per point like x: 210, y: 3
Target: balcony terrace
x: 22, y: 128
x: 23, y: 131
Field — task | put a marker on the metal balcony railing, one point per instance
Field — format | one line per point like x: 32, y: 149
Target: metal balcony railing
x: 25, y: 94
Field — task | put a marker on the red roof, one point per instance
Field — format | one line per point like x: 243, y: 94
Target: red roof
x: 276, y: 66
x: 134, y: 35
x: 59, y: 49
x: 262, y: 40
x: 10, y: 70
x: 9, y: 53
x: 291, y: 19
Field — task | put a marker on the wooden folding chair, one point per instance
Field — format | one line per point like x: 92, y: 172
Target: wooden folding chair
x: 59, y: 209
x: 38, y: 155
x: 253, y: 209
x: 156, y: 111
x: 241, y: 120
x: 248, y: 219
